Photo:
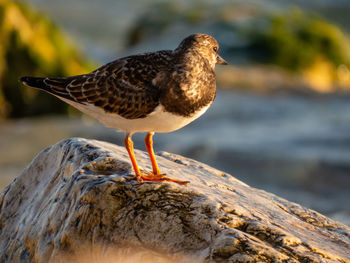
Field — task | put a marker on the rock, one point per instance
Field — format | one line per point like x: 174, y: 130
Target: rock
x: 74, y: 204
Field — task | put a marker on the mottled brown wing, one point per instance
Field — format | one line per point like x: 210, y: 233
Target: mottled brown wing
x: 123, y: 87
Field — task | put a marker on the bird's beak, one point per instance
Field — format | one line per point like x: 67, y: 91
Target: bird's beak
x: 220, y: 60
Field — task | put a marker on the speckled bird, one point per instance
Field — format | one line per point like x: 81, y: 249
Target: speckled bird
x: 153, y: 92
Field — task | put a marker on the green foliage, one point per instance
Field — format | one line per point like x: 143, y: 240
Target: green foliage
x: 32, y: 45
x: 295, y: 40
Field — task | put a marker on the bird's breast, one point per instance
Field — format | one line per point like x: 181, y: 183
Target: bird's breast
x: 186, y: 93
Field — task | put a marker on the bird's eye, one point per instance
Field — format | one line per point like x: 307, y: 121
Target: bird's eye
x: 215, y: 49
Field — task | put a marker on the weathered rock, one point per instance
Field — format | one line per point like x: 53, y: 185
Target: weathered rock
x: 74, y: 200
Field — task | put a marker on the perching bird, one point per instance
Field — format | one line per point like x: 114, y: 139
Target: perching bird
x: 153, y: 92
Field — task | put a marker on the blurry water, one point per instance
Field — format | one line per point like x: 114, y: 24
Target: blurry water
x: 296, y: 147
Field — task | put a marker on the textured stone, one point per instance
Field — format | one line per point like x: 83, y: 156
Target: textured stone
x: 74, y: 204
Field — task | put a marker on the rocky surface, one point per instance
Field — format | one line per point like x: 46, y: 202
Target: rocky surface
x: 73, y: 201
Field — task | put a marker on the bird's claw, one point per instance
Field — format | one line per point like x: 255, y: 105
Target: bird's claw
x: 151, y: 177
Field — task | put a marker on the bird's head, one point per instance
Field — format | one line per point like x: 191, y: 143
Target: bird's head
x: 205, y: 45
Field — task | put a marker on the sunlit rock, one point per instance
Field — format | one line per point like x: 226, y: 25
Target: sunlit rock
x: 73, y: 203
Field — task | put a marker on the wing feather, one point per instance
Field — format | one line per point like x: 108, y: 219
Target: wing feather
x: 123, y: 86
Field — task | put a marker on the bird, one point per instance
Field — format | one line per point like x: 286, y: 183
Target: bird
x: 151, y: 92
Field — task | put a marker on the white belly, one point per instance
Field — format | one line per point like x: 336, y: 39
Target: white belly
x: 158, y: 121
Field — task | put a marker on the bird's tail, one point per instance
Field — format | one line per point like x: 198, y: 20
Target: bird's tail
x: 60, y: 87
x: 54, y: 86
x: 34, y: 82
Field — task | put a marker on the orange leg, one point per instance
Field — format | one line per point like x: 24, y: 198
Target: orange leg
x: 149, y: 147
x: 155, y: 175
x: 129, y: 145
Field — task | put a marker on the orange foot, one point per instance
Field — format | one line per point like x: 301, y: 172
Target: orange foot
x: 157, y: 178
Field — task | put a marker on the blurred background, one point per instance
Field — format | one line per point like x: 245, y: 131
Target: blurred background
x: 281, y: 120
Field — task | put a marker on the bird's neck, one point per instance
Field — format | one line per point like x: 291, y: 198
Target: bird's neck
x: 192, y: 60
